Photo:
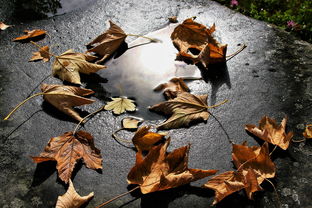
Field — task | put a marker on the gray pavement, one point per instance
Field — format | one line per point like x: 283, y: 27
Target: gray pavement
x: 272, y: 76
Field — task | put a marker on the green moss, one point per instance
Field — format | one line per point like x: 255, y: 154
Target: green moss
x: 279, y: 12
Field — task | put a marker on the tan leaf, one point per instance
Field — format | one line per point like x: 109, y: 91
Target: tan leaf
x: 144, y: 140
x: 42, y: 54
x: 269, y: 131
x: 173, y: 19
x: 65, y: 98
x: 71, y: 199
x: 108, y: 42
x: 4, y: 26
x: 183, y: 109
x: 67, y: 149
x: 308, y: 132
x: 68, y: 65
x: 30, y: 34
x: 120, y: 105
x: 173, y: 87
x: 160, y: 170
x: 196, y: 43
x: 131, y: 123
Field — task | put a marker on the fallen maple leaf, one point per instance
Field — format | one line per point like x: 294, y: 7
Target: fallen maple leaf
x: 183, y: 109
x: 30, y: 34
x: 196, y: 44
x: 42, y: 54
x: 68, y: 65
x: 108, y: 42
x: 131, y: 123
x: 120, y: 105
x: 67, y: 149
x: 160, y: 170
x: 173, y: 87
x: 65, y: 97
x: 4, y: 26
x: 71, y: 199
x: 269, y: 131
x: 308, y: 132
x: 144, y: 140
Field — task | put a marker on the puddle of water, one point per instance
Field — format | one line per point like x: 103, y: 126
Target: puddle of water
x: 144, y: 66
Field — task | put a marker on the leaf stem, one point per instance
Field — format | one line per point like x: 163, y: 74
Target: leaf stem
x: 39, y: 46
x: 119, y: 139
x: 214, y: 106
x: 277, y: 197
x: 141, y: 36
x: 22, y: 103
x: 235, y: 53
x: 273, y: 150
x: 297, y: 141
x: 84, y: 118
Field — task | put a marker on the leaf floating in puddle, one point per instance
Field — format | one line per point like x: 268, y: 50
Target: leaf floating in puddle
x: 120, y: 105
x: 71, y: 199
x: 30, y: 34
x: 131, y: 123
x: 196, y: 43
x: 68, y: 65
x: 108, y: 42
x: 65, y: 98
x: 173, y: 87
x: 67, y: 149
x: 269, y: 131
x: 42, y: 54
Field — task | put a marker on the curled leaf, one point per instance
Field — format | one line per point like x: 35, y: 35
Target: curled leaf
x: 42, y: 54
x: 71, y: 199
x: 144, y: 140
x: 131, y: 123
x: 67, y: 149
x: 160, y: 170
x: 269, y: 131
x: 30, y: 34
x: 196, y: 43
x: 120, y: 105
x: 108, y: 42
x: 69, y: 64
x: 173, y: 87
x: 308, y: 132
x: 65, y: 98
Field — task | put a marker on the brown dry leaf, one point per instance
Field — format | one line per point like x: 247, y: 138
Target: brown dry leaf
x: 67, y: 149
x: 120, y: 105
x: 308, y: 132
x: 65, y: 98
x: 269, y: 131
x: 71, y: 199
x: 131, y: 123
x: 160, y: 170
x: 255, y: 158
x: 196, y: 44
x: 108, y: 42
x: 173, y: 19
x: 144, y: 140
x: 173, y: 87
x: 42, y: 54
x: 4, y: 26
x: 183, y: 109
x: 68, y: 65
x: 30, y: 34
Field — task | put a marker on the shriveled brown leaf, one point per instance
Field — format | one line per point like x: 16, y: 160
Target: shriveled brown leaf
x: 67, y: 149
x: 144, y: 140
x: 255, y: 158
x: 183, y: 109
x: 68, y: 65
x: 131, y: 123
x: 269, y: 131
x: 108, y: 42
x: 120, y: 105
x: 196, y: 43
x: 160, y: 170
x: 173, y: 19
x: 30, y: 34
x: 42, y: 54
x: 4, y: 26
x: 71, y: 199
x: 65, y: 98
x: 308, y: 132
x: 173, y: 87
